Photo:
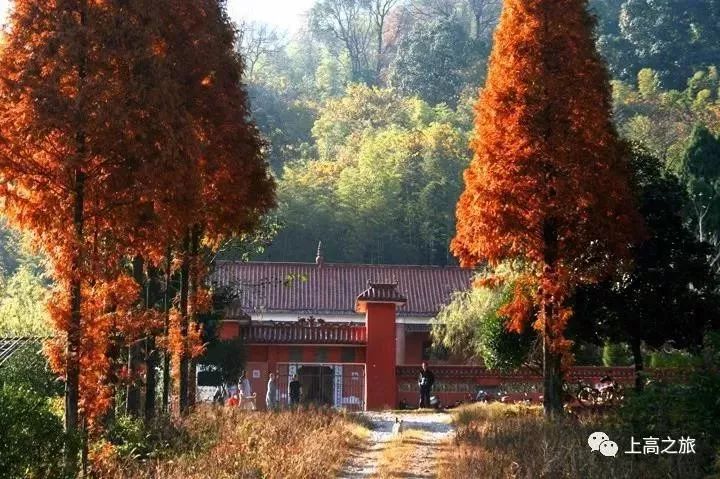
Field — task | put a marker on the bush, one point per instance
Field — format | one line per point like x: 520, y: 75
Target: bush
x: 690, y: 410
x: 28, y: 369
x: 674, y: 359
x: 130, y: 437
x: 32, y: 438
x: 616, y: 354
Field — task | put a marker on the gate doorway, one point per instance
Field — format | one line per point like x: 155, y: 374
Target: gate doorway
x: 318, y: 384
x: 333, y: 385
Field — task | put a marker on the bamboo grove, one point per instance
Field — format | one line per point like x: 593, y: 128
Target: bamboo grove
x: 126, y: 150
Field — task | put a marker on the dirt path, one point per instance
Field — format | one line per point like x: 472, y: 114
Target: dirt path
x: 434, y: 431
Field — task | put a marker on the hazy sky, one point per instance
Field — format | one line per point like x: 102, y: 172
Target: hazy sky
x: 286, y: 14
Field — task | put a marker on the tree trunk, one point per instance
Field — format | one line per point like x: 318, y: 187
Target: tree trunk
x: 184, y: 290
x: 635, y: 344
x: 193, y: 313
x: 552, y: 370
x: 72, y: 353
x: 150, y: 378
x: 151, y: 354
x: 166, y: 354
x: 132, y: 397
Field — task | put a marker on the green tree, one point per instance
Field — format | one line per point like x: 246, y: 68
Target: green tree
x: 700, y: 171
x: 436, y: 61
x: 22, y: 305
x: 674, y: 37
x: 472, y: 327
x: 32, y: 438
x: 670, y: 295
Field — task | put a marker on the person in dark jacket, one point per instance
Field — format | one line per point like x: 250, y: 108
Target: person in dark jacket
x: 294, y: 391
x: 425, y: 381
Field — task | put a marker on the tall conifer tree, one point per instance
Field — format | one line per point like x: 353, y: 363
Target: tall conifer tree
x: 548, y: 184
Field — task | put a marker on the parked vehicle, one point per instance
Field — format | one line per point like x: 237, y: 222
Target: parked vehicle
x: 605, y: 392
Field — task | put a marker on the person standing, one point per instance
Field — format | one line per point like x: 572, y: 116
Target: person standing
x: 247, y: 398
x: 294, y: 391
x: 271, y: 395
x: 425, y: 381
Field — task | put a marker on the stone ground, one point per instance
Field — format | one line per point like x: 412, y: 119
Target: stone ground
x: 436, y: 430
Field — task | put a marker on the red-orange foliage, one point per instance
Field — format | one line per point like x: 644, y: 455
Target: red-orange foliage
x: 548, y: 184
x: 122, y: 125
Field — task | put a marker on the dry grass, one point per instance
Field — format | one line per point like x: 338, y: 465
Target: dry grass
x: 220, y: 443
x: 398, y: 455
x: 511, y: 441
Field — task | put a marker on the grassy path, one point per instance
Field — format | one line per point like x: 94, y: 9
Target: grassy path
x: 414, y: 454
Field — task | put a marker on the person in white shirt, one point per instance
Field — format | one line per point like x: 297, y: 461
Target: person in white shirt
x: 247, y: 397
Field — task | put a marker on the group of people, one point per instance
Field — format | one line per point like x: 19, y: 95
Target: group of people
x: 242, y: 396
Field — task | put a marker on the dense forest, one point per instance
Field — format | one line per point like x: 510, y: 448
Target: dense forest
x: 367, y: 114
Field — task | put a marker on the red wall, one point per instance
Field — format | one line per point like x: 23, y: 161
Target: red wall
x: 381, y: 381
x: 414, y: 347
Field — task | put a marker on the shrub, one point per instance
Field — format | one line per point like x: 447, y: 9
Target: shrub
x: 690, y: 410
x: 29, y: 369
x: 616, y: 354
x: 32, y: 437
x: 674, y: 359
x: 130, y: 437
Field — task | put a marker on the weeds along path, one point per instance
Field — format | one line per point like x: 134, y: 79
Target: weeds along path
x: 412, y: 455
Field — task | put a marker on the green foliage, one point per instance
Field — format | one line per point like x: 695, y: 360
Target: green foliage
x: 434, y: 62
x: 670, y: 295
x: 700, y: 171
x: 674, y: 37
x: 662, y: 120
x: 130, y: 436
x: 691, y: 410
x: 22, y: 305
x: 383, y: 159
x: 32, y: 438
x: 616, y: 354
x: 471, y: 326
x: 227, y: 356
x: 673, y: 359
x: 284, y: 121
x: 28, y: 368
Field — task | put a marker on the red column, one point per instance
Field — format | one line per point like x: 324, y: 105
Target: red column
x: 380, y: 379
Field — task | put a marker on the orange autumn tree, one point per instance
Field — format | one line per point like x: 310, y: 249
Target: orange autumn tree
x: 548, y: 184
x: 231, y: 185
x: 88, y: 115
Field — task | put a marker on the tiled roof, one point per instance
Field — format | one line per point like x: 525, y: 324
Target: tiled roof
x: 307, y: 288
x: 295, y: 333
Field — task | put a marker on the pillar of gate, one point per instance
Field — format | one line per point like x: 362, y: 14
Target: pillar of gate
x: 379, y: 302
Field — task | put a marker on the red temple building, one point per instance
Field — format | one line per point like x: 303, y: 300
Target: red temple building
x: 344, y: 329
x: 355, y: 334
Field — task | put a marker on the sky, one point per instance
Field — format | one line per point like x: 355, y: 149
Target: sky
x: 284, y: 14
